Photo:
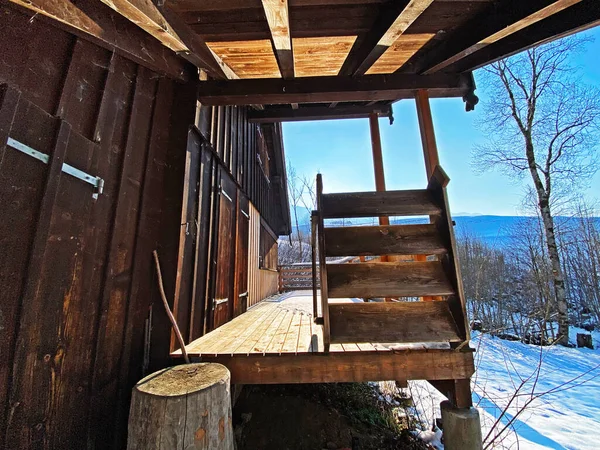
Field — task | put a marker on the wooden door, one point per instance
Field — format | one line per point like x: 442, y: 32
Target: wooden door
x: 241, y: 256
x: 188, y: 235
x: 223, y: 298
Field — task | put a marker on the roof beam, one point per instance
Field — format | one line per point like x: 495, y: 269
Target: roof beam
x: 200, y: 54
x: 572, y: 20
x: 488, y: 28
x: 173, y: 33
x: 392, y: 22
x: 286, y: 114
x: 331, y: 89
x: 277, y: 13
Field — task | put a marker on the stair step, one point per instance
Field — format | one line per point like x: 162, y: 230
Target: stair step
x: 387, y: 279
x: 403, y: 322
x: 417, y: 202
x: 384, y: 240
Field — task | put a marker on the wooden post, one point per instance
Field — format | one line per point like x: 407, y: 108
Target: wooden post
x: 427, y: 133
x: 187, y: 406
x: 430, y: 151
x: 377, y: 160
x: 462, y: 429
x: 378, y: 166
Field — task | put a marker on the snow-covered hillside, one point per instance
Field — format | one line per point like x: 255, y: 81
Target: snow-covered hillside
x: 567, y: 417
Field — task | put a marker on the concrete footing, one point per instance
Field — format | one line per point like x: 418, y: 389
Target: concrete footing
x: 462, y: 429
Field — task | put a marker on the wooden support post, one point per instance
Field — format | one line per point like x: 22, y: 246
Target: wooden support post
x: 430, y: 151
x: 427, y: 133
x: 462, y: 428
x: 186, y: 406
x: 378, y: 164
x: 378, y: 167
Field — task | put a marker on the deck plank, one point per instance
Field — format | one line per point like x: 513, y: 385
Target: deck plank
x: 305, y: 337
x: 250, y: 344
x: 279, y: 337
x: 243, y: 332
x: 214, y: 342
x: 265, y: 341
x: 291, y: 340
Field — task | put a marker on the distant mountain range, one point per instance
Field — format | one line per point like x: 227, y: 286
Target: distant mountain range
x: 494, y: 230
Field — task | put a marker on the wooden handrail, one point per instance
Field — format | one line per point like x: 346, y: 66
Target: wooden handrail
x: 439, y: 178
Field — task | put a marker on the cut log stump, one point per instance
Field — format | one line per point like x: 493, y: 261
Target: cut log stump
x: 585, y: 340
x: 183, y: 407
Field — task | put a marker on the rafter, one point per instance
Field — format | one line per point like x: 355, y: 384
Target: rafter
x: 489, y: 28
x: 393, y: 20
x: 94, y: 21
x: 331, y: 89
x: 277, y: 13
x: 580, y: 17
x: 172, y: 32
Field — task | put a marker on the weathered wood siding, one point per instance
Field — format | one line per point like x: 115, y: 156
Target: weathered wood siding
x: 261, y: 282
x: 78, y: 285
x: 235, y: 166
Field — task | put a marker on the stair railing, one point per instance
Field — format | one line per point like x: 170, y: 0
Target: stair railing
x: 322, y: 265
x: 437, y: 187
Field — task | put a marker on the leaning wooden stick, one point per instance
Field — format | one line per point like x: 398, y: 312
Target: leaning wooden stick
x: 168, y: 310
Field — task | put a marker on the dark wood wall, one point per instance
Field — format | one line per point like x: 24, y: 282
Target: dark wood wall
x: 80, y: 316
x: 232, y: 164
x: 252, y: 155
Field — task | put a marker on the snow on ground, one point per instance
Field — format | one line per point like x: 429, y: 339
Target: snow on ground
x: 567, y: 417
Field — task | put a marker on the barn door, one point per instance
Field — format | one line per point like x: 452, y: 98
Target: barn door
x: 241, y: 256
x: 223, y: 298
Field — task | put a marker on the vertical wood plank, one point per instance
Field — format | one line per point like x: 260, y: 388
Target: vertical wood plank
x: 32, y: 372
x: 124, y: 149
x: 11, y: 265
x: 143, y: 281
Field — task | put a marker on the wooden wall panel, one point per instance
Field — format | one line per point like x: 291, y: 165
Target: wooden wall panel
x: 261, y: 282
x: 253, y: 263
x: 77, y: 275
x: 240, y: 294
x: 269, y: 283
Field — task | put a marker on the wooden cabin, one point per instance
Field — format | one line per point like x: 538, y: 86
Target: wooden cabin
x: 128, y: 126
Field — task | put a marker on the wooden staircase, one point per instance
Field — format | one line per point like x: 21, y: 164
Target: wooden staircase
x: 421, y: 263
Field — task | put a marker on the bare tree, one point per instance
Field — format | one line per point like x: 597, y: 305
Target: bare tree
x: 296, y: 188
x: 542, y: 121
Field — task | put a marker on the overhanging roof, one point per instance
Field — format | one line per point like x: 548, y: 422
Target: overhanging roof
x: 347, y: 41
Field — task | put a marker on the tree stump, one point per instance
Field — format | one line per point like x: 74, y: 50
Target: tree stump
x: 182, y: 407
x: 585, y: 340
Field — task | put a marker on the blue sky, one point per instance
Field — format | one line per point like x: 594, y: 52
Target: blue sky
x: 341, y: 151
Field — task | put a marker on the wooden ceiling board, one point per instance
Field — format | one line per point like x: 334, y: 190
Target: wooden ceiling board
x: 212, y: 5
x: 399, y: 52
x: 320, y: 56
x: 446, y: 16
x: 248, y: 59
x: 337, y: 20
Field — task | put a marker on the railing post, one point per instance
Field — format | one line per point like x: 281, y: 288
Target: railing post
x: 430, y: 152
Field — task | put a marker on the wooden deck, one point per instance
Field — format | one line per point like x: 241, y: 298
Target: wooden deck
x: 277, y: 341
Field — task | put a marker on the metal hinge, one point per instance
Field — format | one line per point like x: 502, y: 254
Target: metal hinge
x: 97, y: 182
x: 244, y: 294
x: 218, y: 301
x: 226, y: 196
